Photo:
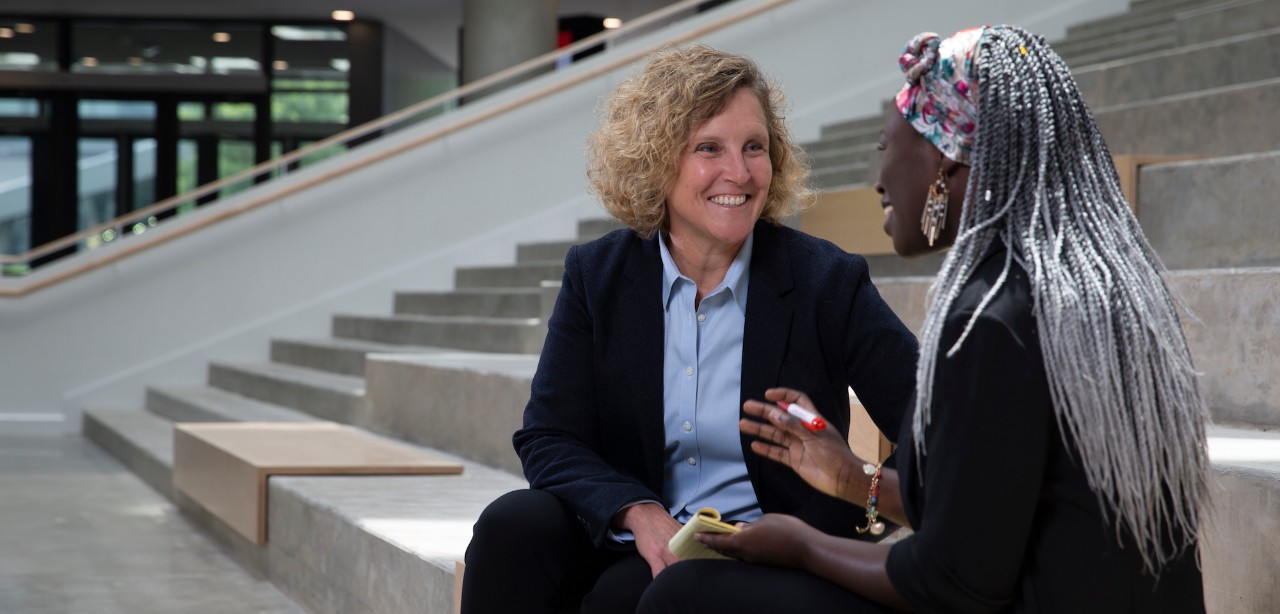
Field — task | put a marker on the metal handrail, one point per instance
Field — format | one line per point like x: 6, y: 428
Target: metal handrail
x: 350, y: 134
x: 222, y: 213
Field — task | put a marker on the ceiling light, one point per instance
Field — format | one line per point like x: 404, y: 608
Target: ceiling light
x: 279, y: 65
x: 308, y: 33
x: 21, y: 58
x: 6, y: 32
x: 221, y: 37
x: 342, y: 15
x: 24, y: 28
x: 222, y: 65
x: 612, y: 23
x: 88, y: 62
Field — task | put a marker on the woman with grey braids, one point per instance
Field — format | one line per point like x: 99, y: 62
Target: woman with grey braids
x: 1055, y: 459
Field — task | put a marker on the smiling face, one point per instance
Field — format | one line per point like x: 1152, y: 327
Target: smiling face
x: 723, y: 179
x: 908, y: 166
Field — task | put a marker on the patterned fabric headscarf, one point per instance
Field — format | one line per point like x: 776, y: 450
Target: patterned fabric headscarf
x: 940, y: 98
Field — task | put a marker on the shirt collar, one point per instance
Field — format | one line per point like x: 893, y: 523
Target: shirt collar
x: 735, y: 279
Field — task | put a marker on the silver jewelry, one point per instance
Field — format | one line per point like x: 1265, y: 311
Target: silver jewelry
x: 934, y: 218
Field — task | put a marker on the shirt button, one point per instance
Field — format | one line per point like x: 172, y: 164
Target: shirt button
x: 702, y: 317
x: 688, y: 427
x: 688, y: 371
x: 693, y: 461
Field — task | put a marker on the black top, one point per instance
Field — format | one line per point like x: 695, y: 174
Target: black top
x: 593, y: 430
x: 1005, y: 520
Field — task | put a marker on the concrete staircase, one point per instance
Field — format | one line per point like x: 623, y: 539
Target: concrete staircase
x: 1202, y: 94
x: 451, y: 370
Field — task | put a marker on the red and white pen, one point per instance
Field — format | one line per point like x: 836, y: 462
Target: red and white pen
x: 811, y: 421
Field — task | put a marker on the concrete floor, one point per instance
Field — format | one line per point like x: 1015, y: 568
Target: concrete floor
x: 80, y: 534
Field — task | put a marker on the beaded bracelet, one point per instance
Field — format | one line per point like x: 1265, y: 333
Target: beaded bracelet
x: 874, y: 524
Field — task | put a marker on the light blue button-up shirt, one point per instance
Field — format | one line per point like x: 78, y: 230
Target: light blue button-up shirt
x: 702, y: 384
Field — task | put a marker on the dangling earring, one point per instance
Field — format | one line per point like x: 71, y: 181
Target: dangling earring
x: 935, y: 208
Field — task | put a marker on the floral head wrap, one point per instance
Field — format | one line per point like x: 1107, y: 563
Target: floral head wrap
x: 940, y: 98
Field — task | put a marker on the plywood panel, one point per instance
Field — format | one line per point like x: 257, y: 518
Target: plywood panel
x: 852, y: 219
x: 1128, y: 167
x: 225, y: 466
x: 866, y: 440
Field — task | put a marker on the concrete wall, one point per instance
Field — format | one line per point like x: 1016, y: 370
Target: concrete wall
x: 1240, y: 544
x: 406, y: 223
x: 1233, y: 329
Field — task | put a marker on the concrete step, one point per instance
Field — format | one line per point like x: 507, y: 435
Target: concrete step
x: 140, y: 440
x: 825, y: 146
x: 1233, y: 335
x: 1227, y: 19
x: 377, y: 544
x: 481, y: 302
x: 335, y: 544
x: 1224, y: 62
x: 1234, y: 342
x: 340, y: 398
x: 509, y: 335
x: 846, y: 160
x: 549, y: 251
x: 466, y: 403
x: 836, y: 177
x: 1212, y: 213
x: 884, y: 266
x: 1171, y: 78
x: 597, y: 227
x: 864, y: 152
x: 336, y: 355
x: 208, y: 404
x: 1153, y: 40
x: 1141, y: 15
x: 1240, y: 545
x: 1118, y: 33
x: 1217, y: 122
x: 523, y: 275
x: 855, y: 128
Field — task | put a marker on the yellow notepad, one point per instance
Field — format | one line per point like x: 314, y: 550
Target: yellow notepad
x: 707, y: 520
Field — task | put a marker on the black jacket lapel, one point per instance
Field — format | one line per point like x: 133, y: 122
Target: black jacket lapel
x: 768, y: 323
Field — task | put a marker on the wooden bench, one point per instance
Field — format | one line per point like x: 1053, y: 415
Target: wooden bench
x: 224, y: 466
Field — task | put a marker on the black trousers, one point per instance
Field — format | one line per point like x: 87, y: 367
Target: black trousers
x: 528, y: 553
x: 713, y: 586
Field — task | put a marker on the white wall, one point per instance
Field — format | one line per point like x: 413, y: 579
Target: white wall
x: 407, y: 222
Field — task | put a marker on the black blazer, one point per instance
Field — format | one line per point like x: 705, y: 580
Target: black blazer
x: 593, y: 429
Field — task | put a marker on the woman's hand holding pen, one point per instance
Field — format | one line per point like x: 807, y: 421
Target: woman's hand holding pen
x: 820, y: 456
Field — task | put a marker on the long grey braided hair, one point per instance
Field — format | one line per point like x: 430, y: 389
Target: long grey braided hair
x: 1120, y: 373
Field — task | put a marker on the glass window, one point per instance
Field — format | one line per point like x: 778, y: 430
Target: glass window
x: 310, y: 53
x: 15, y: 194
x: 19, y: 107
x: 117, y: 109
x: 233, y: 157
x: 166, y: 48
x: 188, y: 156
x: 190, y: 111
x: 97, y: 202
x: 28, y: 45
x: 309, y: 74
x: 144, y: 172
x: 234, y: 111
x: 315, y: 107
